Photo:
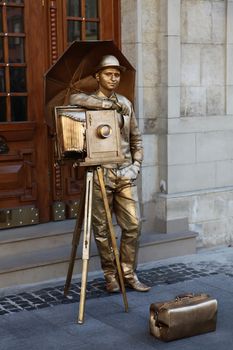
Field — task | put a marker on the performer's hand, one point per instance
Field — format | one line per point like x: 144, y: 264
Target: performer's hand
x: 131, y: 171
x: 121, y: 108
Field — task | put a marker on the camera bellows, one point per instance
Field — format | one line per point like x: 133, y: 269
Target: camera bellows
x: 73, y: 133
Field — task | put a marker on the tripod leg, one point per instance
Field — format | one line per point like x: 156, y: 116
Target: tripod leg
x: 75, y: 242
x: 86, y: 243
x: 112, y: 234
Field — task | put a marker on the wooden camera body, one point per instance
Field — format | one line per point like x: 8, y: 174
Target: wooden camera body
x: 87, y: 137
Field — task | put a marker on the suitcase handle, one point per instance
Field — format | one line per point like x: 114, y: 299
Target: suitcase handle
x: 189, y: 295
x: 182, y: 296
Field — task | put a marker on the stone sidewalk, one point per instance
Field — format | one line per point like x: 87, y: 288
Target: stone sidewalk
x: 45, y: 319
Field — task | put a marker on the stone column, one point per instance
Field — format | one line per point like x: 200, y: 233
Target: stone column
x: 140, y: 35
x: 168, y: 154
x: 229, y: 58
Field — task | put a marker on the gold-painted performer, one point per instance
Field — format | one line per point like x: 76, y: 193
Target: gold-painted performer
x: 119, y: 179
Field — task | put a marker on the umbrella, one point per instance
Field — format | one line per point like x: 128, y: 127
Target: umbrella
x: 73, y: 72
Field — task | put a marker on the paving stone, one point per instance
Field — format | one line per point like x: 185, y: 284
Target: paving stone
x: 3, y: 312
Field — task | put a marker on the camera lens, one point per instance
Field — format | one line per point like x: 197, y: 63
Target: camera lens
x: 104, y: 131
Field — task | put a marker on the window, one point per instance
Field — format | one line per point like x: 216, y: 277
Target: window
x: 13, y: 71
x: 82, y: 17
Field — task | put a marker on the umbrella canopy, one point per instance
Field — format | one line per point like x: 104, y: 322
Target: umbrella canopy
x: 73, y: 72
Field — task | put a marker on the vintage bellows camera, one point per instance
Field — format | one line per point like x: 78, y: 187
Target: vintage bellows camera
x: 87, y: 137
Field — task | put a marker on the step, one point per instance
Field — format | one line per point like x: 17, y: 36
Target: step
x: 157, y: 246
x: 41, y: 265
x: 24, y: 239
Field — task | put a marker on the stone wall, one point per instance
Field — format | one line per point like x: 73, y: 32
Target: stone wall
x: 183, y: 53
x: 203, y: 38
x: 200, y: 141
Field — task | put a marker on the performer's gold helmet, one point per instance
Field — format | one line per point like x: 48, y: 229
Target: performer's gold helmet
x: 109, y: 61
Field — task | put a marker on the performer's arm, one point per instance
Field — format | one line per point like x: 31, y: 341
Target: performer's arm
x: 136, y: 149
x: 136, y: 146
x: 94, y: 102
x: 90, y: 101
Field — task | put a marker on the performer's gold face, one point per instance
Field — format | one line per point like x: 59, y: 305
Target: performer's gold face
x: 108, y: 80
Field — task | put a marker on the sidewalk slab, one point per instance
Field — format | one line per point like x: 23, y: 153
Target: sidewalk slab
x: 107, y: 326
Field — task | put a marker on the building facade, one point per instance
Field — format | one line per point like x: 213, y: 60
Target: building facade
x: 183, y: 53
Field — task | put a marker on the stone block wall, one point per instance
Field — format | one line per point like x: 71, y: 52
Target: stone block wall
x: 201, y: 177
x: 203, y: 38
x: 183, y: 53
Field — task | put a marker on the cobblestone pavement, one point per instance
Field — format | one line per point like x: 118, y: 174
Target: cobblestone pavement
x: 169, y: 274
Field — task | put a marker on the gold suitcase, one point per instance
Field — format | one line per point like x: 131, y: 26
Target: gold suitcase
x: 185, y: 316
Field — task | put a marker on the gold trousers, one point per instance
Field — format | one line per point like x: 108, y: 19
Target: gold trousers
x: 123, y: 201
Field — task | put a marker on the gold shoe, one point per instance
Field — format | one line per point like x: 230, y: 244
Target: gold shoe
x: 112, y: 286
x: 135, y: 284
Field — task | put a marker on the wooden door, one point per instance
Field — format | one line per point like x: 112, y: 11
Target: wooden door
x: 33, y: 33
x: 23, y: 133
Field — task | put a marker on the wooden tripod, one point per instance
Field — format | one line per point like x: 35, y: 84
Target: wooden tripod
x: 84, y: 215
